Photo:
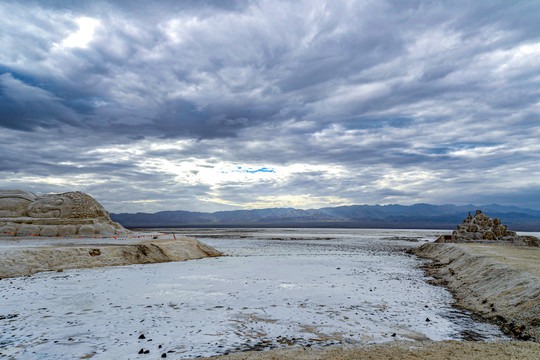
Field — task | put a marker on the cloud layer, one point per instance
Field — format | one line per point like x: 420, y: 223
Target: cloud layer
x: 153, y: 105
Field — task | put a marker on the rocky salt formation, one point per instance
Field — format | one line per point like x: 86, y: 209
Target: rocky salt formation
x: 480, y: 227
x: 66, y: 214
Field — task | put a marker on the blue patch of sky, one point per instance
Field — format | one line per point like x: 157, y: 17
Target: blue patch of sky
x: 243, y: 170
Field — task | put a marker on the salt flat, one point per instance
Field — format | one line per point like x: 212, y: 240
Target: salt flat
x: 276, y: 287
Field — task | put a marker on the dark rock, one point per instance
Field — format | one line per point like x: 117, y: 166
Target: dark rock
x: 142, y: 336
x: 95, y: 252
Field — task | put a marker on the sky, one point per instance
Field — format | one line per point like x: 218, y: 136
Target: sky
x: 221, y: 105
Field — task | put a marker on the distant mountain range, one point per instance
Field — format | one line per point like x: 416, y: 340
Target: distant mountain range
x: 418, y: 216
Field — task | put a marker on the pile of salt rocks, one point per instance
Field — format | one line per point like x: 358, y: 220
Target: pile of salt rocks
x: 481, y: 228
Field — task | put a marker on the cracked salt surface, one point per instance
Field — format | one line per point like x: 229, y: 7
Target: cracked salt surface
x: 276, y: 287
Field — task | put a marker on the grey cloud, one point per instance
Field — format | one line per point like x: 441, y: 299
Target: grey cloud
x: 375, y: 88
x: 23, y: 106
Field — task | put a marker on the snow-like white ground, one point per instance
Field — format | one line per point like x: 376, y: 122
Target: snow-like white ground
x: 276, y: 287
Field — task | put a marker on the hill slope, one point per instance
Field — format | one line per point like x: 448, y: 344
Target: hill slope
x: 418, y: 216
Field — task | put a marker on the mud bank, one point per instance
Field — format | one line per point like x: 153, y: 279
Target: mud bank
x: 493, y: 281
x: 403, y: 350
x: 29, y: 256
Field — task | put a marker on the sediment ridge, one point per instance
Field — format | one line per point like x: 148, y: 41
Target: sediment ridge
x: 399, y: 350
x: 29, y: 256
x: 497, y: 287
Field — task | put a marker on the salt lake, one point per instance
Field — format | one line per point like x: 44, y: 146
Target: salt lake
x: 273, y: 288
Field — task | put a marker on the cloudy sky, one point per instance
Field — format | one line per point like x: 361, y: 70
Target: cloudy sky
x: 217, y: 105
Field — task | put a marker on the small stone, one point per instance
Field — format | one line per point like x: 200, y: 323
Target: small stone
x: 164, y: 355
x: 394, y: 335
x: 160, y: 346
x: 95, y: 252
x: 147, y: 351
x: 142, y: 336
x: 141, y: 351
x: 427, y: 319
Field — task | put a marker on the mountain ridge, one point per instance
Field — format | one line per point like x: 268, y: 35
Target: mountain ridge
x: 416, y: 216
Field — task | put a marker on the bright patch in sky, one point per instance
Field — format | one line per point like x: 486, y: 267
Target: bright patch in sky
x: 242, y: 170
x: 304, y: 201
x: 84, y: 35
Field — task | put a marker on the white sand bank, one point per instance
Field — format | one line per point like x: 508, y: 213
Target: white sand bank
x: 29, y: 255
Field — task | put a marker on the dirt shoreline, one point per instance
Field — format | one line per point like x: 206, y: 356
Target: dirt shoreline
x: 499, y: 283
x: 25, y: 256
x: 403, y: 350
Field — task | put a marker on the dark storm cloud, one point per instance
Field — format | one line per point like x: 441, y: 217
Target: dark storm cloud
x: 378, y: 100
x: 24, y: 107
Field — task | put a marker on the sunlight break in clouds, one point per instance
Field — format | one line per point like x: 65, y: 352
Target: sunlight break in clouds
x: 306, y: 201
x: 84, y: 35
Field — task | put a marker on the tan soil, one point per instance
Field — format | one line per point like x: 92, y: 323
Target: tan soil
x: 522, y: 258
x: 426, y: 350
x: 27, y: 256
x: 499, y: 283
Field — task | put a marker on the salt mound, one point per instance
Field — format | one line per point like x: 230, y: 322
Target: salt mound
x: 480, y: 228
